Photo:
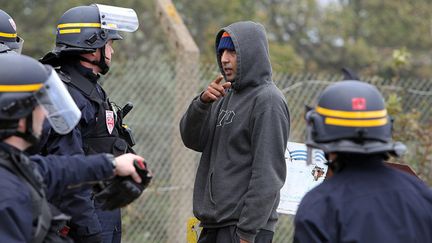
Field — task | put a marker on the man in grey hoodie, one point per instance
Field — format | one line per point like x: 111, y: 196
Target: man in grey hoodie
x: 241, y: 127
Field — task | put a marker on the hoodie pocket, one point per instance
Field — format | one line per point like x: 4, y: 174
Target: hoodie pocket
x: 210, y: 183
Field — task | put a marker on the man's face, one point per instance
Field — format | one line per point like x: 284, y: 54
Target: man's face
x: 109, y: 50
x: 229, y: 64
x: 95, y: 56
x: 38, y: 120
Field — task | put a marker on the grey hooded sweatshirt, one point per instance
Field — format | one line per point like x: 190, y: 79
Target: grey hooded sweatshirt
x: 242, y: 137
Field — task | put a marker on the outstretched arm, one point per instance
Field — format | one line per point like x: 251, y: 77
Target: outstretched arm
x: 60, y: 172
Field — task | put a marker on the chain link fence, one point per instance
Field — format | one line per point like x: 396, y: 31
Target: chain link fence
x: 151, y: 84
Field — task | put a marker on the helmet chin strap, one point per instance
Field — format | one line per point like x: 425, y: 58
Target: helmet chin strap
x: 28, y: 135
x: 336, y: 165
x: 101, y: 63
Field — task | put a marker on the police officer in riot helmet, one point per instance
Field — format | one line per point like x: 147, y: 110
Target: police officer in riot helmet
x: 9, y: 40
x: 83, y: 52
x: 29, y: 93
x: 365, y: 200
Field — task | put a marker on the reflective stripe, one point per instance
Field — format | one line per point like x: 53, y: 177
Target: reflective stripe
x: 71, y: 25
x: 8, y: 35
x: 351, y: 114
x: 20, y: 88
x: 355, y: 123
x: 69, y: 31
x: 111, y: 25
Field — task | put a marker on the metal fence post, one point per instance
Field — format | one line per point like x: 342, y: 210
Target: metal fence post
x: 186, y: 78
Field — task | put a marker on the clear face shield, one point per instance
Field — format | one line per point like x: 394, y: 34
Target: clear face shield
x: 12, y: 46
x: 4, y: 48
x: 62, y: 112
x: 20, y: 42
x: 117, y: 18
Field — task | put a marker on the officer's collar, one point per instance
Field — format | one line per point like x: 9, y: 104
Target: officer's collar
x: 87, y: 72
x: 78, y: 76
x: 363, y: 161
x: 6, y: 150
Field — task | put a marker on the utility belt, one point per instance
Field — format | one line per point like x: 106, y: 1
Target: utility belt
x: 113, y: 145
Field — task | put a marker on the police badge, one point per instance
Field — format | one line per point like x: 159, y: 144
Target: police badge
x: 109, y: 119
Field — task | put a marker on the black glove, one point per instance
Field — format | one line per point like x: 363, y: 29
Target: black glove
x: 121, y: 191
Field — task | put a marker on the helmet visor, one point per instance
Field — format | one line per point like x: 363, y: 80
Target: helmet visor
x: 20, y: 43
x: 117, y: 18
x: 4, y: 48
x: 15, y: 46
x: 62, y: 112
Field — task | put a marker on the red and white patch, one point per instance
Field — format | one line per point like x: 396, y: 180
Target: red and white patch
x: 109, y: 116
x: 358, y: 104
x: 12, y: 22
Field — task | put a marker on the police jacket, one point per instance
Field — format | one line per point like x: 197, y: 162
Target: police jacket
x: 97, y: 132
x: 51, y: 175
x: 366, y: 202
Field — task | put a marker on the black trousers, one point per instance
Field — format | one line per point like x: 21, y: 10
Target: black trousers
x: 228, y: 235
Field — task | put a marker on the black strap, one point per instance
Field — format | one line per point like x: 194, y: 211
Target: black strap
x: 72, y: 77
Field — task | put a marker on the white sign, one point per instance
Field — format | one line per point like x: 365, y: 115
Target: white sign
x: 300, y: 177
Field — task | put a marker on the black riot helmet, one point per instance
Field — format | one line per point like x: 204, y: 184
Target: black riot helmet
x: 79, y: 29
x: 84, y: 29
x: 351, y: 117
x: 9, y: 40
x: 24, y: 84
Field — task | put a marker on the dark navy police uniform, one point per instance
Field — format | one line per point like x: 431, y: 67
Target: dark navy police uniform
x: 17, y: 212
x: 366, y: 202
x: 96, y: 132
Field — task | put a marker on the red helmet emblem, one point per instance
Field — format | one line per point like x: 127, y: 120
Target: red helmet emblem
x: 358, y: 103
